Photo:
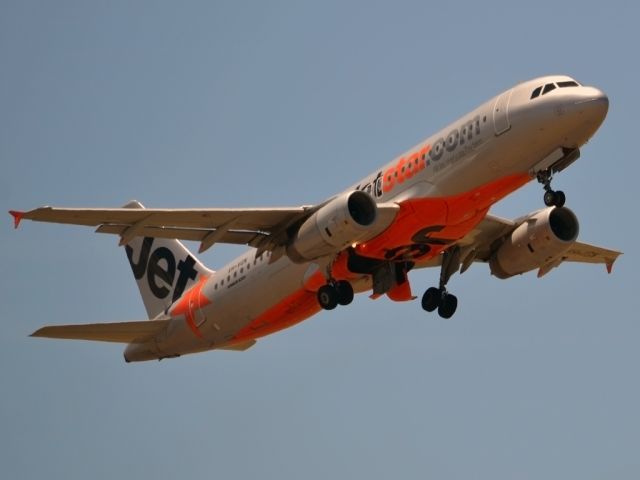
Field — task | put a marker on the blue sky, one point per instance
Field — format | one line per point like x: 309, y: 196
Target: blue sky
x: 221, y: 104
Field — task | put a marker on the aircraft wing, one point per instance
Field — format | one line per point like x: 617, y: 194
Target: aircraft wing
x: 262, y: 228
x: 479, y: 245
x: 251, y: 226
x: 584, y: 253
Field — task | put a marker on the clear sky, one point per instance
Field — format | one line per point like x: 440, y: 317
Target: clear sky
x: 231, y: 104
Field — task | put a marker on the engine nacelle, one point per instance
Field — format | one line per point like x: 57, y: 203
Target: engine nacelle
x: 540, y: 239
x: 341, y: 222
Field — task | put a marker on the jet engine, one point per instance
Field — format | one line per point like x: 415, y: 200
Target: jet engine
x: 538, y: 240
x: 342, y: 221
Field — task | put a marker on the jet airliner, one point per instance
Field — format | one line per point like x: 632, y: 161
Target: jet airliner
x: 426, y: 208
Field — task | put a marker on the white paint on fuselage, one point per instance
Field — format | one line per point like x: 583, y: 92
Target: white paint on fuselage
x: 565, y: 117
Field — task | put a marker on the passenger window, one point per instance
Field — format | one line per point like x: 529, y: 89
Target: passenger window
x: 535, y: 93
x: 548, y: 87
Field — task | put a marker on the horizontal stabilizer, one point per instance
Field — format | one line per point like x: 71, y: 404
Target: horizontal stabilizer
x: 122, y: 332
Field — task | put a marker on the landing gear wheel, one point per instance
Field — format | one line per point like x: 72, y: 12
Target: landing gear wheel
x: 448, y: 305
x: 431, y: 299
x: 549, y: 198
x: 438, y: 298
x: 554, y: 199
x: 327, y: 297
x: 344, y: 291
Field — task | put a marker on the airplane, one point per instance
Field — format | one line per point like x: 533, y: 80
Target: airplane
x: 426, y: 208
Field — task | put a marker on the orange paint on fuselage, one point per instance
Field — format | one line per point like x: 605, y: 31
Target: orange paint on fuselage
x: 437, y: 222
x: 457, y: 215
x: 190, y: 304
x: 293, y: 309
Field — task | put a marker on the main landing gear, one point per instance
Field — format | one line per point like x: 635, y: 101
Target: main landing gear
x: 335, y: 293
x: 438, y: 298
x: 552, y: 198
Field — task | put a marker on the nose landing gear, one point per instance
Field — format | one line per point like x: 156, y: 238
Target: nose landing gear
x: 552, y: 198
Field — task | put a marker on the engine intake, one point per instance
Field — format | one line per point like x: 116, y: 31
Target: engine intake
x: 336, y: 225
x: 538, y: 240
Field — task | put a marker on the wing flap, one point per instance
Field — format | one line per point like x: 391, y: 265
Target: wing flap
x: 120, y: 332
x: 235, y: 237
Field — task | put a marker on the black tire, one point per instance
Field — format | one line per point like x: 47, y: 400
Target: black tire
x: 345, y: 292
x: 431, y: 299
x: 327, y: 297
x: 448, y: 306
x: 560, y: 199
x: 550, y: 198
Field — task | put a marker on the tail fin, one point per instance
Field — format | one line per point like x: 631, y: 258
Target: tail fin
x: 163, y: 268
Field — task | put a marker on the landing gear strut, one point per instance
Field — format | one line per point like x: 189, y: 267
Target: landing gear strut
x: 552, y: 198
x: 335, y: 293
x: 438, y: 298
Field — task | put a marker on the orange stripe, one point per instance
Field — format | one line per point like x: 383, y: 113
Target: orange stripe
x: 293, y: 309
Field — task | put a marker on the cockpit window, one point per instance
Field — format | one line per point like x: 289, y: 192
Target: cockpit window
x: 535, y: 93
x: 544, y: 89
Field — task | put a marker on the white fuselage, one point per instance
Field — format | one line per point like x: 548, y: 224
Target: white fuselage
x: 499, y: 143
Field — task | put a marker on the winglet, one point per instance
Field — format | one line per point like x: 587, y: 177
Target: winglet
x: 17, y: 216
x: 610, y: 265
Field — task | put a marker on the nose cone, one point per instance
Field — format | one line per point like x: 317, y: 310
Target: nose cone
x: 593, y: 103
x: 583, y: 111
